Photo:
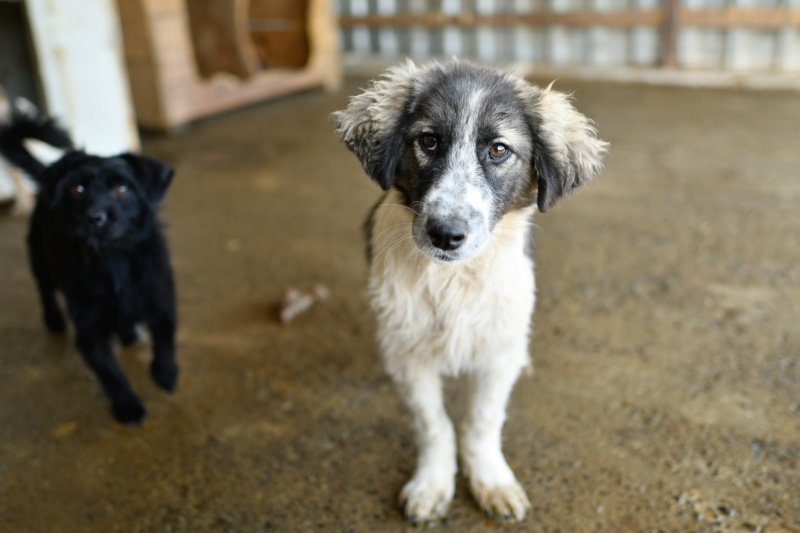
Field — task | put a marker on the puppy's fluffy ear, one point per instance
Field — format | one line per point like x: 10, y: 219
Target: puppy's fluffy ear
x: 568, y: 153
x: 372, y: 125
x: 153, y: 175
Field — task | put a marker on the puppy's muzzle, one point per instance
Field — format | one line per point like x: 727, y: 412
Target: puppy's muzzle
x: 446, y: 234
x: 97, y: 217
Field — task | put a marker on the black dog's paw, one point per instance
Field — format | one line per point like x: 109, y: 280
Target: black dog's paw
x: 129, y: 336
x: 54, y: 320
x: 130, y: 413
x: 165, y: 375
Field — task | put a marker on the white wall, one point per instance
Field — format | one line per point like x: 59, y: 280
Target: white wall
x: 78, y: 45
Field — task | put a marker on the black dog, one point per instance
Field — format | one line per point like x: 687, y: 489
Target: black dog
x: 95, y: 237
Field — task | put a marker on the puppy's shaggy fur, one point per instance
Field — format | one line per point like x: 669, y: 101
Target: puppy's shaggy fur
x: 94, y: 236
x: 466, y: 154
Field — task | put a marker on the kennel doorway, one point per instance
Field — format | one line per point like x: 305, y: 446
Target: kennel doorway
x: 192, y: 58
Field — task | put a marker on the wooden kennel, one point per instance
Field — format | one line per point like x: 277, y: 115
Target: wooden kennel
x: 192, y: 58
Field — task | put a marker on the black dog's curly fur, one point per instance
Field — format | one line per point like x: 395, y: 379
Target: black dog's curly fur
x: 95, y: 237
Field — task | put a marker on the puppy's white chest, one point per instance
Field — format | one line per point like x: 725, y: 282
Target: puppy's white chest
x: 452, y: 316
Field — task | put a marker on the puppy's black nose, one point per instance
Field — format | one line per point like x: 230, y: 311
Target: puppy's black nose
x: 446, y: 235
x: 97, y: 217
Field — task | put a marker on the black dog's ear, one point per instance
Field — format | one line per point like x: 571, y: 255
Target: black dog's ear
x: 567, y: 152
x: 372, y: 125
x: 50, y: 178
x: 153, y: 175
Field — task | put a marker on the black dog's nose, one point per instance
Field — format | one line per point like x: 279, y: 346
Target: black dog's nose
x: 97, y: 217
x: 446, y: 235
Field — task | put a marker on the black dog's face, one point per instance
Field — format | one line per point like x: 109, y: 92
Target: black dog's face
x: 103, y: 203
x: 99, y: 203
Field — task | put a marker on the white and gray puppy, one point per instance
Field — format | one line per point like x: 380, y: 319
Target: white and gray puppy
x: 466, y: 154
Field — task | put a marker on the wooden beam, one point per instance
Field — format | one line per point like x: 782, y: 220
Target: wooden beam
x: 542, y: 18
x: 730, y: 17
x: 762, y: 18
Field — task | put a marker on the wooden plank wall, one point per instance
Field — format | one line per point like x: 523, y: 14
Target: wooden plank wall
x: 719, y: 35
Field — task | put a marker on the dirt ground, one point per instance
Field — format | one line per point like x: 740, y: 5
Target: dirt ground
x: 666, y: 341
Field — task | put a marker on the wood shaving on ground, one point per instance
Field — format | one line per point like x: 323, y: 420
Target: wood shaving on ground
x: 295, y: 301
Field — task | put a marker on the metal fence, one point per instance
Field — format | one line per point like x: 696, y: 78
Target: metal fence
x: 718, y: 35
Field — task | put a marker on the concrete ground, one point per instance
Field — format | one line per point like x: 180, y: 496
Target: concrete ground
x: 666, y: 395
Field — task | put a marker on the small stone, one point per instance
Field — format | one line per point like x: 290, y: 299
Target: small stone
x: 63, y: 431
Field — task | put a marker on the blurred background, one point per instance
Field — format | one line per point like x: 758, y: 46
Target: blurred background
x: 104, y: 65
x: 715, y: 35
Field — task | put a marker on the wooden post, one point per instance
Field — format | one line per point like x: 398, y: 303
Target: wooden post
x: 670, y: 34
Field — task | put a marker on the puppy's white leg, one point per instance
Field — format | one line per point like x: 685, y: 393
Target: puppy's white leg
x: 491, y: 480
x: 429, y: 492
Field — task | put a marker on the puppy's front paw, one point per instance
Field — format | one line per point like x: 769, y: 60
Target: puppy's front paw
x: 130, y: 413
x: 129, y: 336
x: 165, y: 375
x: 427, y: 496
x: 493, y: 484
x: 54, y: 320
x: 508, y: 501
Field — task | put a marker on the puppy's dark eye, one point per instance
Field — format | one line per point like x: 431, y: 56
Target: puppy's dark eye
x: 429, y: 142
x: 498, y: 151
x: 77, y: 190
x: 121, y: 190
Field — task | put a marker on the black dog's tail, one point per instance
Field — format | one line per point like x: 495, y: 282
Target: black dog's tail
x: 27, y: 122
